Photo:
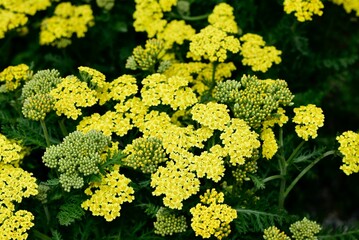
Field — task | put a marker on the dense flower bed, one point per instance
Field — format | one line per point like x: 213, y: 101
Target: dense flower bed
x: 182, y: 144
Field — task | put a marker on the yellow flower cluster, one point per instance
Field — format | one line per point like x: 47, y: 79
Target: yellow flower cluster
x: 212, y: 44
x: 212, y: 115
x: 158, y: 89
x: 16, y: 225
x: 349, y: 147
x: 212, y: 218
x: 269, y: 146
x: 278, y: 118
x: 109, y: 195
x: 222, y: 18
x: 200, y: 74
x: 176, y: 31
x: 13, y: 76
x: 304, y: 9
x: 70, y: 94
x: 15, y: 184
x: 148, y: 17
x: 308, y: 119
x: 349, y: 5
x: 273, y: 233
x: 13, y: 13
x: 256, y: 54
x: 239, y: 141
x: 67, y: 21
x: 96, y: 78
x: 10, y: 151
x: 29, y: 7
x: 176, y: 182
x: 108, y: 123
x: 210, y: 163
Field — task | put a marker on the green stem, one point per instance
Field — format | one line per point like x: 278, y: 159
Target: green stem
x: 305, y: 170
x: 63, y: 127
x: 283, y: 171
x: 46, y: 134
x: 47, y: 214
x: 294, y: 153
x: 40, y: 235
x: 191, y: 18
x: 270, y: 178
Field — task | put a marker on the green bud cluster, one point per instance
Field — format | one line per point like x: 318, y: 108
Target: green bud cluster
x: 37, y: 106
x: 42, y: 81
x: 227, y: 92
x: 258, y: 99
x: 42, y: 193
x: 77, y: 156
x: 273, y: 233
x: 145, y: 58
x: 168, y: 223
x: 145, y: 154
x: 240, y: 173
x: 305, y: 229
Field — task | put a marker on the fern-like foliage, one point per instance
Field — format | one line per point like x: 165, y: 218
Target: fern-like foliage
x: 249, y: 220
x: 70, y: 211
x: 150, y: 209
x: 56, y: 235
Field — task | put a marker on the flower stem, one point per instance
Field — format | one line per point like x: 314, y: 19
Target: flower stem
x: 294, y: 153
x: 63, y: 127
x: 46, y: 134
x: 283, y: 171
x: 270, y: 178
x: 40, y: 235
x: 305, y: 170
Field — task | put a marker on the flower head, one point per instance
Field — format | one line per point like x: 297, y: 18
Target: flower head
x: 256, y: 54
x: 13, y: 76
x: 308, y: 119
x: 305, y: 229
x: 349, y: 147
x: 304, y: 9
x: 77, y: 156
x: 213, y: 44
x: 108, y: 195
x: 222, y: 18
x: 349, y: 5
x: 273, y: 233
x: 212, y: 115
x: 168, y: 222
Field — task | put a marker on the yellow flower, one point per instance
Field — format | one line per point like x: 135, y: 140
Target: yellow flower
x: 70, y: 94
x: 256, y: 54
x: 277, y: 118
x: 158, y: 89
x: 168, y: 222
x: 349, y: 5
x: 68, y: 20
x: 210, y: 163
x: 213, y: 44
x: 269, y: 146
x: 175, y: 32
x: 14, y: 75
x: 29, y: 7
x: 10, y: 151
x: 304, y: 9
x: 16, y: 225
x: 212, y: 115
x: 176, y: 182
x: 10, y: 20
x: 223, y: 18
x: 16, y: 183
x: 109, y: 195
x: 349, y: 147
x: 239, y: 141
x: 148, y: 17
x: 213, y: 218
x: 308, y: 118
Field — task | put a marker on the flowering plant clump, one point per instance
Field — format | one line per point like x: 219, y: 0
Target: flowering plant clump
x: 180, y: 119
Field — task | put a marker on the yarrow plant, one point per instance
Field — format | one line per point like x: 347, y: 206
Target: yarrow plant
x: 197, y: 136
